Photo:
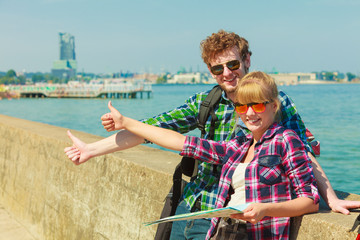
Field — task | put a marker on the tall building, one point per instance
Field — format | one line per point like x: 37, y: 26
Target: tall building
x: 65, y: 67
x: 67, y: 46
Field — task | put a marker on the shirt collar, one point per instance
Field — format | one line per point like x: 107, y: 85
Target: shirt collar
x: 223, y: 94
x: 269, y: 133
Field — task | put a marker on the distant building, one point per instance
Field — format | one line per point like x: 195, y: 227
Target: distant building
x: 67, y: 46
x: 65, y: 67
x: 292, y: 78
x: 152, y: 77
x: 190, y: 78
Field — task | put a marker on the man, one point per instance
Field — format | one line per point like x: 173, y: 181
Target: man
x: 227, y: 56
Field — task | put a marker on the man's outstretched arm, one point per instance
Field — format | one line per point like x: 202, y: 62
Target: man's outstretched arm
x: 328, y: 193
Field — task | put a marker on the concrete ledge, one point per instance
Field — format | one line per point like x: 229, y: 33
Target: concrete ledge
x: 107, y: 198
x: 11, y: 229
x: 326, y: 224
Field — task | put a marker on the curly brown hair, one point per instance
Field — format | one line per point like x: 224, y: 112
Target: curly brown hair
x: 219, y: 42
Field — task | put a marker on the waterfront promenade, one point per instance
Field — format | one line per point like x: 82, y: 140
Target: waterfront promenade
x: 107, y: 198
x: 11, y: 229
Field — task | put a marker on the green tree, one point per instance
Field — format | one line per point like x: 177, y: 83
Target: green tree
x: 350, y: 76
x: 3, y: 80
x: 161, y: 79
x: 329, y: 76
x: 10, y: 74
x: 9, y: 78
x: 22, y: 80
x: 38, y: 77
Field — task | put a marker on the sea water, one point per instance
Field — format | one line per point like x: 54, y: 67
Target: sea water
x: 330, y: 111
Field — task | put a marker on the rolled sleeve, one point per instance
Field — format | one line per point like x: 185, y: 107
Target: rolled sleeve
x: 298, y: 168
x: 204, y: 150
x: 182, y: 119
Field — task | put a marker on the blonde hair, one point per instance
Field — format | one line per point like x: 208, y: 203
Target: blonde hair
x: 257, y: 87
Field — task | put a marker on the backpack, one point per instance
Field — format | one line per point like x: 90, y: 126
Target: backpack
x: 188, y: 166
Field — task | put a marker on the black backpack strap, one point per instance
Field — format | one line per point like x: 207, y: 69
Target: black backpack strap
x: 187, y: 165
x: 163, y: 230
x: 207, y: 108
x: 356, y: 224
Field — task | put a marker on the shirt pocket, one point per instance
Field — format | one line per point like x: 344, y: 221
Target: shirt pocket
x: 270, y: 169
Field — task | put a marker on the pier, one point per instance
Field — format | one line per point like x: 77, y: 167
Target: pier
x: 95, y: 89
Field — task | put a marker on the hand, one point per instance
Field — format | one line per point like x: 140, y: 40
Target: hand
x: 77, y: 153
x: 117, y: 117
x: 108, y: 121
x: 253, y: 213
x: 342, y: 206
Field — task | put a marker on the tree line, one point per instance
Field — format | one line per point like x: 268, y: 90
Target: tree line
x: 10, y: 77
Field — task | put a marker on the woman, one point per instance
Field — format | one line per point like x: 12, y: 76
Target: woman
x: 266, y: 167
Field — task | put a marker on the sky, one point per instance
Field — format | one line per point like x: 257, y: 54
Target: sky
x: 164, y: 35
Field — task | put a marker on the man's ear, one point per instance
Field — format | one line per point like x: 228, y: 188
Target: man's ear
x: 247, y: 61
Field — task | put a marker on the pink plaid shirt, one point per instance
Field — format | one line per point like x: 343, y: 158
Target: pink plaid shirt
x: 280, y: 168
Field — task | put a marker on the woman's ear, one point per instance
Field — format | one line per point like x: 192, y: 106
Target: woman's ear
x: 276, y: 109
x: 275, y: 106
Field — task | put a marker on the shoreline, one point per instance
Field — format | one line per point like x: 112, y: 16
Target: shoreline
x: 324, y: 82
x: 309, y: 82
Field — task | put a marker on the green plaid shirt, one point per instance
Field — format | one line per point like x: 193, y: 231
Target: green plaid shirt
x: 184, y: 119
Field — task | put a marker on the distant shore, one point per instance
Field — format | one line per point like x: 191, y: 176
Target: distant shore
x: 298, y: 83
x: 323, y: 82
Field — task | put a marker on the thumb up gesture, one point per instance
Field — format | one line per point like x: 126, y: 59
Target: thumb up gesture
x: 112, y: 120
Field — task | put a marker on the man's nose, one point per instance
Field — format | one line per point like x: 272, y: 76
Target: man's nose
x: 227, y: 71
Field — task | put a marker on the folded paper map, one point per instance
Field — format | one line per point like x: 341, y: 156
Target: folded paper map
x: 217, y: 212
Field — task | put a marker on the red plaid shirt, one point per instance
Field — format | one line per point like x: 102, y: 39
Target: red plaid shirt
x: 280, y: 168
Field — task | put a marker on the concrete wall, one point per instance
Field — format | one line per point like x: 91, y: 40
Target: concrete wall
x: 108, y: 197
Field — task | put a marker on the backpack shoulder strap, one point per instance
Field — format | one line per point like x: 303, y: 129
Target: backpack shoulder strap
x: 188, y: 166
x: 207, y: 107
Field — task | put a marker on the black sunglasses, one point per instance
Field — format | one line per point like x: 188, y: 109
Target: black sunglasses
x: 219, y: 69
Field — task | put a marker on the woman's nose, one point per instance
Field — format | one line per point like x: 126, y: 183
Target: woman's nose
x: 250, y: 111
